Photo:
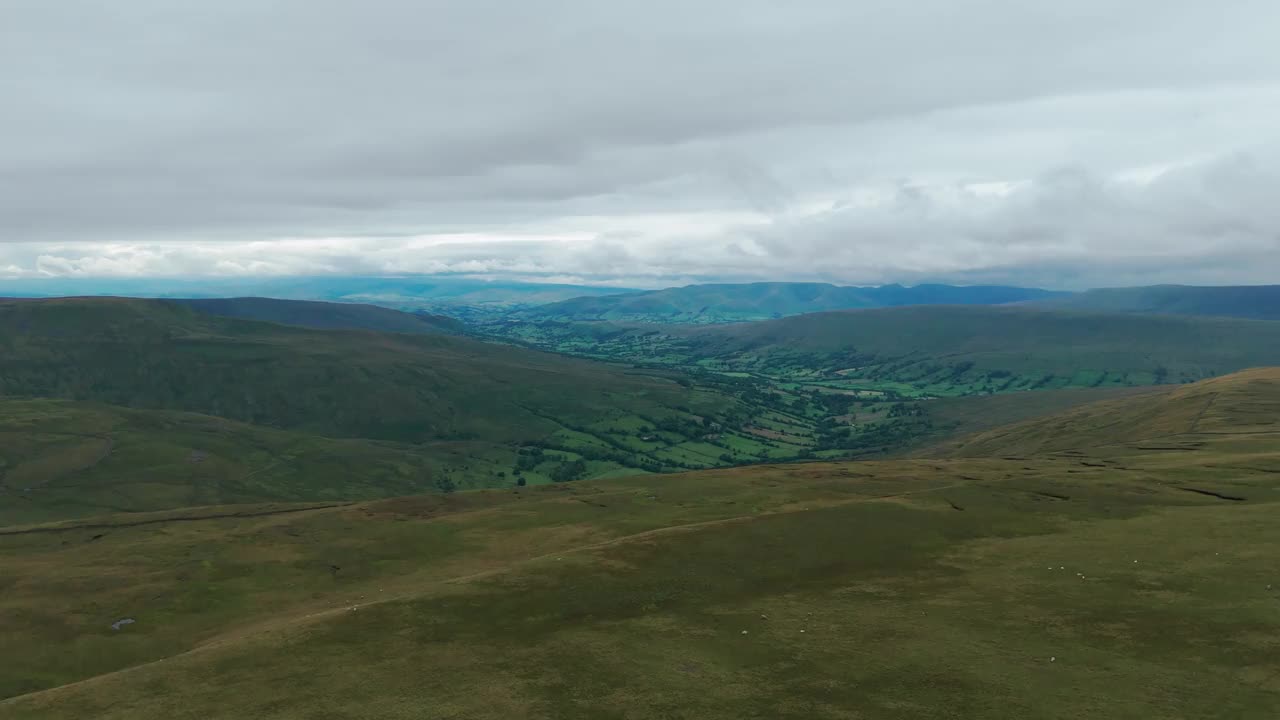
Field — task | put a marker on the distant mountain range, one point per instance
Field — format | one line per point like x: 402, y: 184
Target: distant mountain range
x: 723, y: 303
x: 409, y: 292
x: 719, y: 303
x: 1259, y: 302
x: 484, y: 300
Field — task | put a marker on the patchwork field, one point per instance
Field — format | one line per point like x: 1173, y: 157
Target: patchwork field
x: 931, y: 351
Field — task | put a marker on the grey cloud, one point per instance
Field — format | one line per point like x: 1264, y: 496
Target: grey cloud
x: 710, y: 139
x: 1210, y: 222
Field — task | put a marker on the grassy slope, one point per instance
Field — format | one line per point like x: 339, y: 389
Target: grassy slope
x: 60, y: 459
x: 471, y: 400
x: 1242, y: 401
x: 885, y: 381
x: 1259, y: 302
x: 1014, y: 339
x: 987, y: 348
x: 958, y: 418
x: 325, y: 315
x: 756, y: 301
x: 159, y: 355
x: 1059, y: 586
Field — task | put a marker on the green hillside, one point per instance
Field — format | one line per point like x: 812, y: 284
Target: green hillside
x: 1126, y: 580
x: 950, y: 419
x: 1259, y: 302
x: 61, y: 460
x: 938, y: 350
x: 522, y: 415
x: 1015, y: 340
x: 546, y: 417
x: 161, y: 355
x: 325, y: 315
x: 1241, y: 402
x: 727, y: 302
x: 421, y: 413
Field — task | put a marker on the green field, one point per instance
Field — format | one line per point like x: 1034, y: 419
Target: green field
x: 1059, y: 569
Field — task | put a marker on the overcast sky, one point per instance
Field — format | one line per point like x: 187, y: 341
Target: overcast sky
x: 1037, y: 142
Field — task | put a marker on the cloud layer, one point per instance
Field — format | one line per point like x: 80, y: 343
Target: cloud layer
x: 963, y: 140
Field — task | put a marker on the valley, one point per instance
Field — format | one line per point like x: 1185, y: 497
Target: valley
x: 1002, y: 577
x: 583, y: 360
x: 933, y: 350
x: 868, y: 382
x: 285, y: 509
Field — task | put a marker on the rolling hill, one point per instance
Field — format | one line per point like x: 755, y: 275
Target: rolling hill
x: 1244, y: 402
x: 1044, y: 586
x: 416, y: 413
x: 1258, y: 302
x: 1011, y: 339
x: 718, y: 303
x: 470, y: 414
x: 325, y: 315
x: 60, y: 460
x: 939, y: 350
x: 166, y: 356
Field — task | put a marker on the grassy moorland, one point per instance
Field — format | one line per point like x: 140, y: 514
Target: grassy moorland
x: 1052, y: 569
x: 1238, y: 404
x: 60, y: 459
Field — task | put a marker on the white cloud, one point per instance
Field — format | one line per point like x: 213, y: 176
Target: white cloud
x: 1086, y: 143
x: 1204, y: 222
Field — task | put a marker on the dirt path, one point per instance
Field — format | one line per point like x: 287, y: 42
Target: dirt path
x: 157, y: 521
x: 1200, y: 415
